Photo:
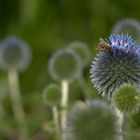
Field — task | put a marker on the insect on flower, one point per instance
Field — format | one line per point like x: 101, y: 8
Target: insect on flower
x: 104, y: 45
x: 121, y: 65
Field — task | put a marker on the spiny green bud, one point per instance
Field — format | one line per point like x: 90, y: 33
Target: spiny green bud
x: 64, y: 65
x: 126, y: 99
x: 52, y: 95
x: 91, y: 120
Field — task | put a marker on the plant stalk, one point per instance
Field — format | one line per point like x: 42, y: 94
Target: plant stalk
x: 120, y: 117
x: 56, y: 122
x: 17, y: 105
x: 64, y: 103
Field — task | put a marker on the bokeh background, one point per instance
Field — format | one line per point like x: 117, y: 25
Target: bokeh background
x: 48, y: 25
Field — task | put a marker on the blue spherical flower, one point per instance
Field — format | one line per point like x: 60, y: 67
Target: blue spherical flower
x: 14, y: 53
x: 117, y: 65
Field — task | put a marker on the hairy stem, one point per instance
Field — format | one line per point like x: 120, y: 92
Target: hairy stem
x: 120, y: 116
x: 16, y: 104
x: 64, y: 103
x: 56, y: 122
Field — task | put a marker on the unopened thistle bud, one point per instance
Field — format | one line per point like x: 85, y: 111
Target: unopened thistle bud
x: 14, y: 53
x: 91, y: 120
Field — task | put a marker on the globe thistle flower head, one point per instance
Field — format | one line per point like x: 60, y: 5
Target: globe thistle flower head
x: 82, y: 51
x: 14, y: 53
x: 52, y: 95
x: 123, y: 41
x: 120, y: 65
x: 91, y: 120
x: 126, y: 99
x: 65, y: 65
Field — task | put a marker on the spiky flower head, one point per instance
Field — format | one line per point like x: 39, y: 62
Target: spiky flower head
x: 82, y: 51
x: 64, y: 65
x: 126, y: 99
x: 52, y: 95
x: 14, y: 53
x: 118, y: 63
x: 91, y: 120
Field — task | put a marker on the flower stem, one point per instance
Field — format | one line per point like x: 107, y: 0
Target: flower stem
x: 16, y: 104
x: 120, y: 116
x: 64, y: 103
x: 56, y: 122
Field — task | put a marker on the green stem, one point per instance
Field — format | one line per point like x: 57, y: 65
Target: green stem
x: 64, y: 103
x: 56, y: 122
x: 16, y: 104
x: 120, y: 117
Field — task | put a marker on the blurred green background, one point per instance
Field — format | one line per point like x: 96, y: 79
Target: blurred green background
x: 48, y: 25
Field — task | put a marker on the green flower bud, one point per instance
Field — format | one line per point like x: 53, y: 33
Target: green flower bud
x: 52, y: 95
x: 64, y: 65
x: 91, y: 120
x: 126, y: 99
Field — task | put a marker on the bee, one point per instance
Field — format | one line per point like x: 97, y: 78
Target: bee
x: 104, y: 45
